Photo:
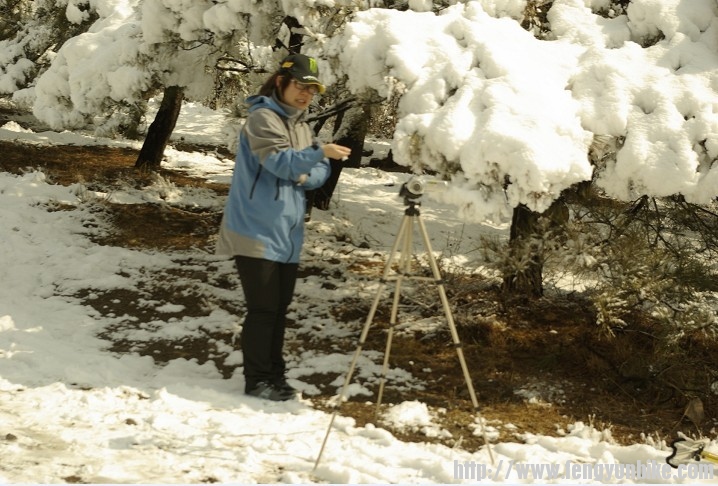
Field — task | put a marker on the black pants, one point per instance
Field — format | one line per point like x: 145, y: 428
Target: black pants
x: 268, y: 290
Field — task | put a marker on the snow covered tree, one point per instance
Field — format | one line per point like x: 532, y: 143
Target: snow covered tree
x: 138, y: 48
x: 12, y: 15
x: 511, y: 118
x: 127, y: 51
x: 30, y: 34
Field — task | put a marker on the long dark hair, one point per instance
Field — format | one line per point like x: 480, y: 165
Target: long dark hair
x: 270, y: 85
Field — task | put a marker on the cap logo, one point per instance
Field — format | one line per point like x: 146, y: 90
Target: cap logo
x: 302, y: 68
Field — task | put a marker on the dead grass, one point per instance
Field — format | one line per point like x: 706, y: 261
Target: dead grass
x: 549, y: 347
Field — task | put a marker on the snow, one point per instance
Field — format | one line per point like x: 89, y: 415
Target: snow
x: 622, y: 95
x: 72, y: 409
x: 628, y: 98
x: 483, y: 101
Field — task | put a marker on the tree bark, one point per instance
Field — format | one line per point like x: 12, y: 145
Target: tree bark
x: 353, y: 138
x: 527, y: 279
x: 296, y: 38
x: 524, y: 274
x: 159, y: 132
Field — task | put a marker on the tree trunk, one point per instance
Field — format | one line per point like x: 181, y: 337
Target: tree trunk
x: 158, y: 135
x: 529, y: 230
x: 525, y: 278
x: 296, y: 38
x: 353, y: 137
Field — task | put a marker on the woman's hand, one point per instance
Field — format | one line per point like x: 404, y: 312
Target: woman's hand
x: 334, y: 151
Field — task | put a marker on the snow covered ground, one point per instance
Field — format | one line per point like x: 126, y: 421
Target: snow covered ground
x: 71, y: 411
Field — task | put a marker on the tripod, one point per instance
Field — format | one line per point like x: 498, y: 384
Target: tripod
x: 404, y: 239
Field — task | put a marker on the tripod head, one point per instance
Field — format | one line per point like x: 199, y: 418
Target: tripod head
x: 415, y: 187
x: 411, y: 191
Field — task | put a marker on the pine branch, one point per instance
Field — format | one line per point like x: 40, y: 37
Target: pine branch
x: 335, y: 109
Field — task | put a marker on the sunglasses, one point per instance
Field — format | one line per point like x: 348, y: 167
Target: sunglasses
x: 310, y: 88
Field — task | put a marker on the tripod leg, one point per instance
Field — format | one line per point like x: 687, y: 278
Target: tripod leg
x: 404, y: 269
x: 454, y: 334
x: 365, y: 331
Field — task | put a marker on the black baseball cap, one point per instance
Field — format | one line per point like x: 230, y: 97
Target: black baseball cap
x: 302, y: 68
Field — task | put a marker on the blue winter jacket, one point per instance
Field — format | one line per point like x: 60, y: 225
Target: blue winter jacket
x: 275, y: 163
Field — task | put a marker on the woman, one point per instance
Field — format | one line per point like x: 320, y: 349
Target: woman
x: 263, y: 222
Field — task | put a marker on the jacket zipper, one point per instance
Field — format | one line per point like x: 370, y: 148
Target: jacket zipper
x: 291, y: 243
x: 254, y: 184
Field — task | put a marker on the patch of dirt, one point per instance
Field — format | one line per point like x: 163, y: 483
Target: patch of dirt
x: 537, y: 365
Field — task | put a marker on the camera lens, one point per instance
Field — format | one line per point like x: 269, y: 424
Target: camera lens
x: 415, y: 186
